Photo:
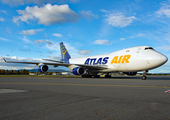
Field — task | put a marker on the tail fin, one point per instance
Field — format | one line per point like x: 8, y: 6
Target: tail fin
x: 64, y: 53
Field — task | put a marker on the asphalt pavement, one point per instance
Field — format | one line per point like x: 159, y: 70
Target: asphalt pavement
x: 118, y: 98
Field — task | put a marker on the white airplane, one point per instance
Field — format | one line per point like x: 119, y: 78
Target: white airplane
x: 129, y: 61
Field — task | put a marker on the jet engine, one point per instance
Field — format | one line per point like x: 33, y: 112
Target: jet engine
x: 78, y: 71
x: 43, y: 68
x: 130, y: 73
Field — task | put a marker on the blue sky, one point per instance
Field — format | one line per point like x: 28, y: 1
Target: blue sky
x: 32, y: 29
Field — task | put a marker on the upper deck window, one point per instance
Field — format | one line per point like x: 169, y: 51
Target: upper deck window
x: 148, y: 48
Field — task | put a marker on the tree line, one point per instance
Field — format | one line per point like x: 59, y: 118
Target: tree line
x: 13, y: 72
x: 21, y: 72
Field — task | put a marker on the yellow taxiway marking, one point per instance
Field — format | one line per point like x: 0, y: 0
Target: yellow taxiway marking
x: 84, y: 84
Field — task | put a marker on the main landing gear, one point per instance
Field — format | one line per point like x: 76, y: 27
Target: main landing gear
x: 86, y: 76
x: 108, y: 75
x: 144, y: 75
x: 95, y: 75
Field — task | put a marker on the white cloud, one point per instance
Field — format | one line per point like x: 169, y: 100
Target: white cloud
x: 49, y: 43
x: 164, y: 48
x: 30, y: 32
x: 13, y: 2
x: 55, y: 57
x: 8, y: 30
x: 85, y: 52
x: 88, y: 14
x: 119, y: 20
x: 121, y: 39
x: 46, y: 35
x: 74, y: 1
x: 16, y: 66
x: 56, y: 47
x: 2, y: 19
x: 72, y: 50
x: 102, y: 42
x: 25, y: 50
x: 105, y: 11
x: 3, y: 39
x: 52, y: 46
x: 25, y: 39
x: 38, y: 41
x: 3, y: 11
x: 164, y: 10
x: 138, y: 35
x: 39, y: 2
x: 57, y: 35
x: 48, y: 14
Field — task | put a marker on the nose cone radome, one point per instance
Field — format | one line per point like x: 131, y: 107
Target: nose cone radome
x: 164, y: 59
x: 156, y: 59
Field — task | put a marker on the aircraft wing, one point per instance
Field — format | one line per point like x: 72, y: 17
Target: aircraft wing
x: 96, y: 67
x: 37, y: 63
x: 22, y: 62
x: 53, y: 60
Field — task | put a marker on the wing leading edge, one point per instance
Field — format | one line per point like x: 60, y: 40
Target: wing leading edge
x: 60, y: 63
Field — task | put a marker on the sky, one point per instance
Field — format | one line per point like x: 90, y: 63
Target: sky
x: 32, y: 29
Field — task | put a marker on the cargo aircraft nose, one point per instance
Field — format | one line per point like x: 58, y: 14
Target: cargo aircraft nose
x: 155, y: 59
x: 160, y: 59
x: 163, y: 59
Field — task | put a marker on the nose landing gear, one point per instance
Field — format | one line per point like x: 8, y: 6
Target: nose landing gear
x: 144, y: 75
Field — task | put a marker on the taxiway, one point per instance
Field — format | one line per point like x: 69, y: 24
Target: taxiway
x: 117, y: 98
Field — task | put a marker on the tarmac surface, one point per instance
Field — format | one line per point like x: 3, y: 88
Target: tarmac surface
x: 52, y: 98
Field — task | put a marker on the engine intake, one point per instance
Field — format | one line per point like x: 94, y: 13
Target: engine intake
x: 78, y: 71
x: 43, y: 68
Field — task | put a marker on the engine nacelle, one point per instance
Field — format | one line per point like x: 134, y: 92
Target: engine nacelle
x: 43, y: 68
x: 78, y: 71
x: 130, y: 73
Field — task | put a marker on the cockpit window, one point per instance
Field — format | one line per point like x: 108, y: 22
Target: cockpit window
x: 148, y: 48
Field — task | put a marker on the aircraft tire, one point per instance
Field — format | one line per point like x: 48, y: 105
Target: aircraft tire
x: 143, y: 77
x: 107, y: 76
x: 83, y: 76
x: 96, y: 76
x: 86, y: 76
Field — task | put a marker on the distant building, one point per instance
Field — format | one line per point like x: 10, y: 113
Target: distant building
x: 54, y: 73
x: 32, y: 74
x: 66, y: 73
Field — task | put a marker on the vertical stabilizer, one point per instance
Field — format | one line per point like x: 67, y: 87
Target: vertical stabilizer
x: 65, y: 56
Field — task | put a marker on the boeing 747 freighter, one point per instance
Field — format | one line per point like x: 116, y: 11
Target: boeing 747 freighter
x: 129, y: 61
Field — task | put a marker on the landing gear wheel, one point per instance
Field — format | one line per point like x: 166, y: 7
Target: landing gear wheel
x: 143, y: 77
x: 86, y: 76
x: 144, y: 74
x: 96, y: 76
x: 83, y: 76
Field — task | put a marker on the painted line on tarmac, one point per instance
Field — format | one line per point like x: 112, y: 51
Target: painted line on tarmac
x: 11, y: 91
x: 69, y: 84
